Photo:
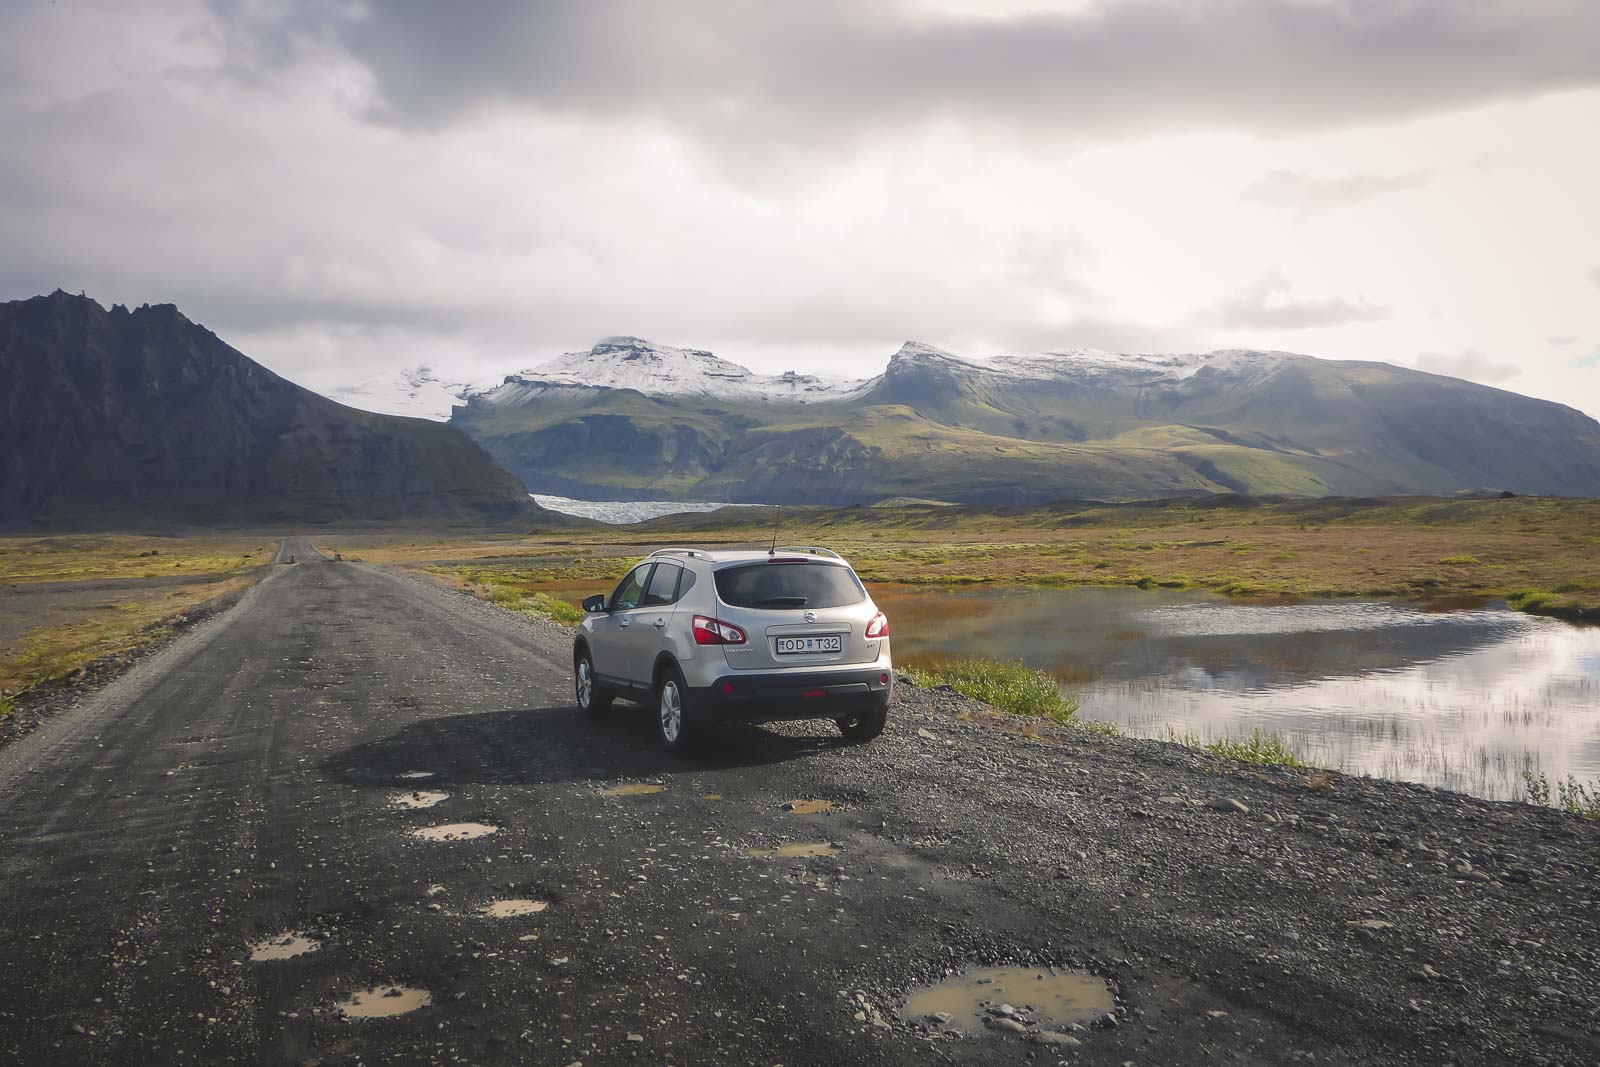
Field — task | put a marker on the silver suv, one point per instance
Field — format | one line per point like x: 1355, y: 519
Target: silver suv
x: 705, y: 637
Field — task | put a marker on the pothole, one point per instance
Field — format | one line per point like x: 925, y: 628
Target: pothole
x: 410, y: 776
x: 455, y: 831
x: 808, y: 807
x: 632, y: 789
x: 1012, y: 998
x: 283, y: 947
x: 418, y: 799
x: 794, y: 850
x: 510, y: 909
x: 383, y: 1001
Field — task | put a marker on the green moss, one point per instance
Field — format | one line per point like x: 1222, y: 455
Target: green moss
x: 1008, y: 686
x: 1267, y: 750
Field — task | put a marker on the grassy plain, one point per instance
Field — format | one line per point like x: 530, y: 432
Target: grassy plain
x: 68, y: 601
x: 1541, y: 554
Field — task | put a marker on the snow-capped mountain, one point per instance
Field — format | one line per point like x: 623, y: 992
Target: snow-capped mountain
x: 415, y: 391
x: 662, y: 370
x: 1093, y: 364
x: 1014, y: 429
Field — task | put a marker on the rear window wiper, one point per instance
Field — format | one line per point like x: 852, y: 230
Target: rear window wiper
x: 787, y: 601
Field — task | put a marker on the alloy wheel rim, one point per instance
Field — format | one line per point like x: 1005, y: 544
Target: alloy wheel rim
x: 671, y: 711
x: 585, y: 685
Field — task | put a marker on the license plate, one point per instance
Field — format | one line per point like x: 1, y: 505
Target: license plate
x: 799, y: 646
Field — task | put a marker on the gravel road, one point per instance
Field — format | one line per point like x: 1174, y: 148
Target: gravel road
x: 245, y: 783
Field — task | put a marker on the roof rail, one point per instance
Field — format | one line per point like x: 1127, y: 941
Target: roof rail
x: 810, y: 550
x: 691, y: 552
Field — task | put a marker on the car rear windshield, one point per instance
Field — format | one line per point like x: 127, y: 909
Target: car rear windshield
x: 789, y: 585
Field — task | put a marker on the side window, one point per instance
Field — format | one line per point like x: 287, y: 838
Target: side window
x: 663, y: 588
x: 631, y: 589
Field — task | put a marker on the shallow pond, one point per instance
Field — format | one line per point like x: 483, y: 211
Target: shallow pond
x: 1461, y: 695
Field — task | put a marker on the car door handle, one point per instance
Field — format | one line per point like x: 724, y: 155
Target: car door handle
x: 623, y: 623
x: 659, y: 623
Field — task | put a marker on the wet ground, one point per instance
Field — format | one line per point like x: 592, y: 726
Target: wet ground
x: 237, y: 790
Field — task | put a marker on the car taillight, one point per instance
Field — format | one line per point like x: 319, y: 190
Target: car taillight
x: 879, y: 626
x: 709, y: 631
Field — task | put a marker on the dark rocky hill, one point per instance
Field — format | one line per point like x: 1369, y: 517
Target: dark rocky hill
x: 114, y: 416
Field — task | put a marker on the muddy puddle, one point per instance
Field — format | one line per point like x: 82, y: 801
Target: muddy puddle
x: 455, y: 831
x: 419, y: 798
x: 511, y: 909
x: 632, y: 789
x: 808, y: 807
x: 283, y: 947
x: 1029, y: 996
x: 794, y: 850
x: 383, y: 1001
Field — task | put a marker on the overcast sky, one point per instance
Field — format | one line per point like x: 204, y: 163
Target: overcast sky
x: 345, y: 190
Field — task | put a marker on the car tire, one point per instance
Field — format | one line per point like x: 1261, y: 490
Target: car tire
x: 863, y: 727
x: 676, y: 725
x: 592, y: 700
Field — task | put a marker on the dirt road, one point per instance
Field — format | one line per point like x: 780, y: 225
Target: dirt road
x: 245, y: 782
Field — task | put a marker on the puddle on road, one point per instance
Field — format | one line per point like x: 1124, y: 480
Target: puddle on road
x: 1051, y: 999
x: 283, y: 947
x: 794, y: 850
x: 455, y: 831
x: 632, y: 789
x: 511, y: 909
x: 418, y: 799
x: 383, y: 1001
x: 808, y: 807
x: 416, y: 775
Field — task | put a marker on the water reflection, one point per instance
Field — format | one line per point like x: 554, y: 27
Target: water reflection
x: 1464, y: 695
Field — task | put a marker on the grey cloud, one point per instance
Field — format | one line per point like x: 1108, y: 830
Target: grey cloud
x: 1468, y: 363
x: 742, y: 75
x: 1268, y: 304
x: 1306, y: 194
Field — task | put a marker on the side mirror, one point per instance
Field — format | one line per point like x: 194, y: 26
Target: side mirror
x: 595, y: 603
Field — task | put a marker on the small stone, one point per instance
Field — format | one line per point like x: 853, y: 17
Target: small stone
x: 1009, y: 1025
x: 635, y: 1037
x: 943, y: 1018
x: 926, y: 735
x: 1051, y: 1037
x: 1228, y: 804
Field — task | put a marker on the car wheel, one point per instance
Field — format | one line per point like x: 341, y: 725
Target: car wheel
x: 675, y: 723
x: 861, y: 728
x: 591, y: 700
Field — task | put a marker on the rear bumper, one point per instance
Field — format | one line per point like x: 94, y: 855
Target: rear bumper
x: 759, y: 697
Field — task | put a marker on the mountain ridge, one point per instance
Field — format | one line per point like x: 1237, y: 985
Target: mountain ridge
x: 119, y: 415
x: 1070, y: 423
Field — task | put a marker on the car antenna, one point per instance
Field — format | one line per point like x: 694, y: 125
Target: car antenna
x: 776, y: 515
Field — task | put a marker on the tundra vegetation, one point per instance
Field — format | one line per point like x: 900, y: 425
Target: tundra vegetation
x: 75, y: 601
